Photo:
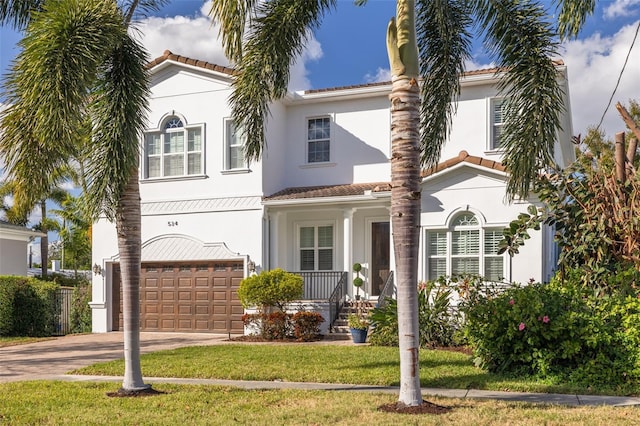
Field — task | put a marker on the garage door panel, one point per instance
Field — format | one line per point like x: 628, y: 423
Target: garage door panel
x: 168, y: 283
x: 202, y: 282
x: 202, y: 309
x: 189, y: 297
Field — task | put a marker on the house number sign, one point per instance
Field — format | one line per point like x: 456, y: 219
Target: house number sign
x: 172, y: 223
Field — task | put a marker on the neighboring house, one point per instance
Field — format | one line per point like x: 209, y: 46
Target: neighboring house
x: 316, y: 203
x: 13, y: 248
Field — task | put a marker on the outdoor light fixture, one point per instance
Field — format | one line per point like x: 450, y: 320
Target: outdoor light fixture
x: 97, y: 269
x: 251, y: 266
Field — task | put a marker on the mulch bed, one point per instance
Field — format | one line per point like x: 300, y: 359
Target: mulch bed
x: 123, y: 393
x: 425, y: 408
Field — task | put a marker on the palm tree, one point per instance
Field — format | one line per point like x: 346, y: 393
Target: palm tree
x: 428, y: 41
x: 79, y: 64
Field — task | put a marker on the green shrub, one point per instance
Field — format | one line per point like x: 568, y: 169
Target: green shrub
x: 438, y: 322
x: 80, y: 310
x: 270, y: 288
x: 558, y: 330
x: 64, y: 280
x: 306, y: 325
x: 27, y: 307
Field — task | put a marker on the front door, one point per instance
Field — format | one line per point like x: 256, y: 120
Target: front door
x: 380, y: 267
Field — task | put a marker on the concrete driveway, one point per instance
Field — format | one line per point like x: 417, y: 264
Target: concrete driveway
x: 50, y: 358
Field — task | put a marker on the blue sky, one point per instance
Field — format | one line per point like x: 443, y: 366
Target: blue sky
x: 349, y: 48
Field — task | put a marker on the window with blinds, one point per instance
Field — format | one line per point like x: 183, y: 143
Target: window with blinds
x: 497, y: 122
x: 235, y: 140
x: 464, y: 248
x: 173, y: 150
x: 316, y: 248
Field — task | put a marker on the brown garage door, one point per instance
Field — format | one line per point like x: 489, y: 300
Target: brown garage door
x: 186, y: 297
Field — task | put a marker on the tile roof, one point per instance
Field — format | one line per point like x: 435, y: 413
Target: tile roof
x: 484, y: 71
x: 464, y: 156
x: 343, y: 190
x: 354, y: 189
x: 168, y: 55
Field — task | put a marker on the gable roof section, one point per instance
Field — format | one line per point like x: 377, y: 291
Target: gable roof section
x: 464, y: 157
x: 169, y: 56
x: 361, y: 189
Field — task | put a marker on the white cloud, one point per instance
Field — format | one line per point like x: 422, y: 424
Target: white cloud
x: 381, y: 75
x: 594, y: 65
x: 196, y: 37
x: 621, y: 8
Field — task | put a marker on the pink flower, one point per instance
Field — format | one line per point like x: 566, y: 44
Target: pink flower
x: 521, y: 326
x: 545, y: 319
x: 512, y: 302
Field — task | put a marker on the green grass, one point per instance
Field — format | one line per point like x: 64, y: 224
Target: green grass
x: 64, y: 403
x: 333, y: 364
x: 13, y: 341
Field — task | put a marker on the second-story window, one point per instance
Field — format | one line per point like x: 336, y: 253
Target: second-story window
x: 235, y: 139
x: 497, y: 122
x: 173, y: 150
x: 318, y: 140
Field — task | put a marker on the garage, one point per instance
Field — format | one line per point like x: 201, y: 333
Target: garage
x: 186, y: 297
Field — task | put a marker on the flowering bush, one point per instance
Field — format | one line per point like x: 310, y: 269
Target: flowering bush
x: 556, y: 330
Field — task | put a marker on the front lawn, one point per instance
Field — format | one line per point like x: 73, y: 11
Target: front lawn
x: 334, y: 364
x: 58, y: 403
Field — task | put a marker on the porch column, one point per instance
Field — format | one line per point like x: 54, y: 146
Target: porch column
x: 274, y: 257
x: 347, y: 240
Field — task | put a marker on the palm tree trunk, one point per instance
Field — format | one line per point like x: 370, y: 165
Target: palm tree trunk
x: 44, y: 241
x: 128, y: 226
x: 405, y: 217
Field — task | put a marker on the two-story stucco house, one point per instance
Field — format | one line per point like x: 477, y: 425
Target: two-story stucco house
x: 317, y: 202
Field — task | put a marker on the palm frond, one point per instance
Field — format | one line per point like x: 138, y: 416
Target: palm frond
x: 278, y: 35
x: 17, y: 13
x: 140, y: 9
x: 444, y: 43
x: 572, y: 16
x: 48, y: 86
x: 118, y: 112
x: 233, y: 17
x: 524, y: 43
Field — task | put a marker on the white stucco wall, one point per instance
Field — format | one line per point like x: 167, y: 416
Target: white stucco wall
x: 13, y: 257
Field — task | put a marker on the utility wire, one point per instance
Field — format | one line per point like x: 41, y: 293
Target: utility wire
x: 619, y: 77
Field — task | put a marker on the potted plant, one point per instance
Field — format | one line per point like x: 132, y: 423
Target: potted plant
x: 357, y: 281
x: 358, y: 327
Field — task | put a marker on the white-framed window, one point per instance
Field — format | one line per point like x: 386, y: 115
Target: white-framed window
x: 497, y: 118
x: 174, y: 149
x: 465, y: 248
x: 316, y: 247
x: 234, y: 144
x: 318, y: 140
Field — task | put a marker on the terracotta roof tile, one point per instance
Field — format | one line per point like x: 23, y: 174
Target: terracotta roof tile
x: 464, y: 157
x: 230, y: 71
x: 343, y: 190
x: 168, y: 55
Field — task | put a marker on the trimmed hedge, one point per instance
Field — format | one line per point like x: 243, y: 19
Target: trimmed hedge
x: 27, y: 306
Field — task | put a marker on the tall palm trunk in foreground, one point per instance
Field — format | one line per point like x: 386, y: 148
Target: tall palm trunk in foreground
x: 405, y: 191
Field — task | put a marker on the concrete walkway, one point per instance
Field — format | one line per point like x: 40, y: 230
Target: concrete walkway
x: 51, y: 359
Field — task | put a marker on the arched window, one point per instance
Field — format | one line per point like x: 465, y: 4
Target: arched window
x: 173, y: 150
x: 465, y: 248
